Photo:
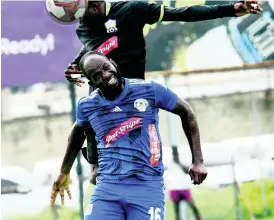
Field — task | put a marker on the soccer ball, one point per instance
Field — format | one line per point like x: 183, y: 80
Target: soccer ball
x: 66, y: 11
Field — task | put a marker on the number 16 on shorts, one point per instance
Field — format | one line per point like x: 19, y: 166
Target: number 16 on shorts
x: 155, y: 213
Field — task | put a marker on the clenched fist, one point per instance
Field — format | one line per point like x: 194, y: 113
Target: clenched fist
x: 198, y: 173
x: 73, y: 75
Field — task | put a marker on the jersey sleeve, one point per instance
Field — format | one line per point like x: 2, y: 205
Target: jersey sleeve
x: 164, y: 97
x: 149, y: 13
x: 198, y: 12
x: 81, y: 120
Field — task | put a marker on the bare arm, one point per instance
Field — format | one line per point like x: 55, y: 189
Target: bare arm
x: 191, y: 129
x: 74, y: 145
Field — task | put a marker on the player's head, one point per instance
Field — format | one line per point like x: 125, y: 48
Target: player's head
x: 94, y: 9
x: 101, y: 71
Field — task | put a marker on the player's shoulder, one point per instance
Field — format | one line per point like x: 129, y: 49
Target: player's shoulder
x: 91, y: 99
x: 139, y: 82
x: 145, y: 83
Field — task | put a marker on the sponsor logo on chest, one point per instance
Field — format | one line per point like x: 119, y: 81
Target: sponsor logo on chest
x: 122, y: 129
x: 108, y: 45
x: 155, y: 145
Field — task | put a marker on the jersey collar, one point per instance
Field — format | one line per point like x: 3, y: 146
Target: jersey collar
x: 119, y: 98
x: 108, y: 6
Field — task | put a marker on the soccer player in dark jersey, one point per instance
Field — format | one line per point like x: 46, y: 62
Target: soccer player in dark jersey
x: 124, y: 115
x: 116, y: 30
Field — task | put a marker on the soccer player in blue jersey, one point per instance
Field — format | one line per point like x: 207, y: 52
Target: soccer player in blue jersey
x: 116, y: 30
x: 124, y: 116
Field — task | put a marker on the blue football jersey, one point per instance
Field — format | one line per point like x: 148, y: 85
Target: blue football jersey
x: 126, y: 129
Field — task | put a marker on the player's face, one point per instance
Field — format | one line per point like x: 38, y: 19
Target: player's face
x: 103, y: 74
x: 95, y: 9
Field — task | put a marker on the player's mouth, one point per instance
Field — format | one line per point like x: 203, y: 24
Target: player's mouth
x: 113, y: 81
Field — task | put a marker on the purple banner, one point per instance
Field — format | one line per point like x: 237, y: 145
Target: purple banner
x: 34, y: 47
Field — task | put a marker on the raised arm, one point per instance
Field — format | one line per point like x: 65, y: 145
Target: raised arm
x: 204, y: 12
x: 151, y: 13
x: 198, y: 12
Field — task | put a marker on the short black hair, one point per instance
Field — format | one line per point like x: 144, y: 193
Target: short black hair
x: 86, y: 55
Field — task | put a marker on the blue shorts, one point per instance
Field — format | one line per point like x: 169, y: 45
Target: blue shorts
x: 129, y: 199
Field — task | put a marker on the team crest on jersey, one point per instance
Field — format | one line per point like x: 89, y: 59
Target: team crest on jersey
x: 141, y: 104
x: 111, y: 26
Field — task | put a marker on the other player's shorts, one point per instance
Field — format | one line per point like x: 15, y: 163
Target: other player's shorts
x: 129, y: 199
x: 179, y: 195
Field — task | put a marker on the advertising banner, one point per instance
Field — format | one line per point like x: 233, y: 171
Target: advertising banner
x: 37, y: 49
x: 34, y: 47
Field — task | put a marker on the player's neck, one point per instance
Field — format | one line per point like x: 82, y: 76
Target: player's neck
x: 113, y: 94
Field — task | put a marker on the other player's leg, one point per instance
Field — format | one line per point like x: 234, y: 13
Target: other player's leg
x: 174, y: 196
x: 187, y: 196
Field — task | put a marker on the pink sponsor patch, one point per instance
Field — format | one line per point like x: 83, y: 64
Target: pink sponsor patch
x: 108, y: 45
x: 155, y: 148
x: 122, y: 129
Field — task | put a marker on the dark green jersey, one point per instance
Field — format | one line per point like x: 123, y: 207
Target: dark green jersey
x: 119, y: 34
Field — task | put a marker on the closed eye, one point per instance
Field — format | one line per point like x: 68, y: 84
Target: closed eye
x: 106, y: 67
x: 96, y: 76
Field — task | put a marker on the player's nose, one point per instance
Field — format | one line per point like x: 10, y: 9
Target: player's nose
x: 106, y: 75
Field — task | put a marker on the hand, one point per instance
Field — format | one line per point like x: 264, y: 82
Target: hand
x: 73, y: 74
x: 59, y: 186
x: 197, y: 173
x: 247, y: 7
